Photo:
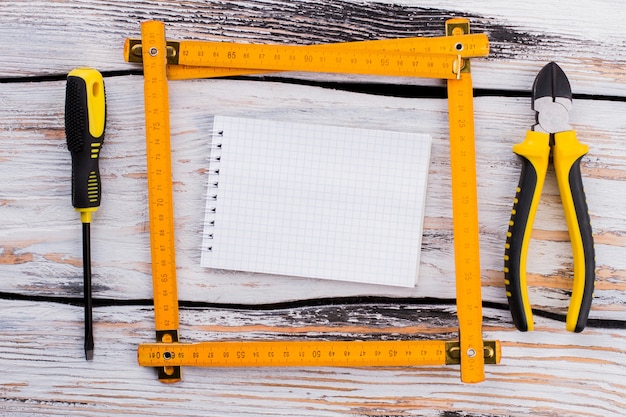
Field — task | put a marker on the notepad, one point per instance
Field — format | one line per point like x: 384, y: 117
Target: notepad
x: 316, y: 201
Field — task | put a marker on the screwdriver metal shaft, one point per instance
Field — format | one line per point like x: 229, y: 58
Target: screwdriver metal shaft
x: 85, y: 117
x: 89, y: 344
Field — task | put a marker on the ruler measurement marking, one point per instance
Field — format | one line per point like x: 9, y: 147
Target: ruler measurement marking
x: 346, y: 58
x: 160, y: 198
x: 411, y: 57
x: 465, y: 45
x: 309, y: 353
x: 465, y: 219
x: 296, y: 353
x: 299, y: 58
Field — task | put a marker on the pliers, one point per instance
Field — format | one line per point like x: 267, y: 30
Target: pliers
x: 551, y: 100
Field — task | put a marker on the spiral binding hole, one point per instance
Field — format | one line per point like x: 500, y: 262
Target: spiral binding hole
x: 215, y: 158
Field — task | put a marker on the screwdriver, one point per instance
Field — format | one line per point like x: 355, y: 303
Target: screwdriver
x: 85, y: 116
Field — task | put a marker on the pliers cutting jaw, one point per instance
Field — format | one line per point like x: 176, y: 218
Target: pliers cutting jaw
x: 552, y: 100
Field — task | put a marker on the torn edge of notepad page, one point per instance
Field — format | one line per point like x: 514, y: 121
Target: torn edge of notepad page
x: 315, y: 201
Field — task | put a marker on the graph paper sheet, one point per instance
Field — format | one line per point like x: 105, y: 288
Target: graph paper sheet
x: 315, y: 201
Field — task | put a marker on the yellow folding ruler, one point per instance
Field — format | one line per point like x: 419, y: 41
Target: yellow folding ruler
x: 442, y: 57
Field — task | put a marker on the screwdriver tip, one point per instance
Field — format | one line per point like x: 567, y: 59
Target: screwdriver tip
x: 89, y: 355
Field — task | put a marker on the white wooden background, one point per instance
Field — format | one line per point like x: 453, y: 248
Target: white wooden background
x: 547, y: 372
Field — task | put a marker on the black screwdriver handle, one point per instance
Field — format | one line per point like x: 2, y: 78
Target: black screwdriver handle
x: 85, y: 116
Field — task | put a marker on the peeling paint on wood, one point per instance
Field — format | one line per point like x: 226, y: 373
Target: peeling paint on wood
x: 546, y: 372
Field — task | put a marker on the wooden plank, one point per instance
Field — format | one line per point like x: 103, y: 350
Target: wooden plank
x: 47, y: 373
x: 42, y: 37
x: 40, y: 240
x: 547, y: 372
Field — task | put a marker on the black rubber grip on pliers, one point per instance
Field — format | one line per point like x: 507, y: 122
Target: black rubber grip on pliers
x: 514, y: 278
x: 579, y: 202
x: 534, y: 152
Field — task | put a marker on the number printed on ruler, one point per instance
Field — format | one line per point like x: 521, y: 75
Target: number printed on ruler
x: 160, y: 198
x: 330, y: 60
x: 413, y: 57
x: 295, y: 353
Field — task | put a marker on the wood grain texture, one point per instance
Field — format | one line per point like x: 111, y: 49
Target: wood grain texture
x: 548, y: 372
x: 41, y: 241
x: 48, y: 375
x: 522, y: 36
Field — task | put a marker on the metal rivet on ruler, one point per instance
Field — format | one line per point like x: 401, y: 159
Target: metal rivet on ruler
x: 153, y: 51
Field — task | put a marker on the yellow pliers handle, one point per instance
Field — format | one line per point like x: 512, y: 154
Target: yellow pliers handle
x: 567, y: 153
x: 535, y: 152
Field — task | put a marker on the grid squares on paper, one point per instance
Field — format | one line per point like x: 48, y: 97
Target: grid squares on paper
x: 317, y: 201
